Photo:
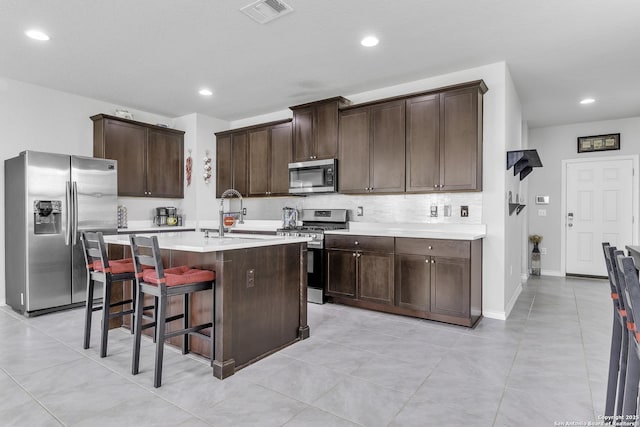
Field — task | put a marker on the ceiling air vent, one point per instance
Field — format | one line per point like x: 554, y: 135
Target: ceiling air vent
x: 264, y: 11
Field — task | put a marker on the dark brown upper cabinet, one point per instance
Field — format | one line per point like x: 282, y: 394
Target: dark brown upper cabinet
x: 444, y: 140
x: 150, y: 158
x: 269, y: 156
x: 315, y: 129
x: 372, y: 148
x: 231, y: 162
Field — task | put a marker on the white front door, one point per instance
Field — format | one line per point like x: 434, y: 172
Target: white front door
x: 599, y: 197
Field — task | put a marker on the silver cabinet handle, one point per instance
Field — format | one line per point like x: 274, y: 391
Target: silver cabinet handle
x: 430, y: 247
x: 356, y: 242
x: 354, y: 254
x: 433, y: 261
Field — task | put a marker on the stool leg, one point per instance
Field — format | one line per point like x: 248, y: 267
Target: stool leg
x: 623, y: 372
x: 135, y: 363
x: 614, y: 367
x: 631, y: 383
x: 160, y: 328
x: 133, y: 305
x: 213, y: 324
x: 155, y: 318
x: 185, y: 323
x: 88, y: 312
x: 106, y: 301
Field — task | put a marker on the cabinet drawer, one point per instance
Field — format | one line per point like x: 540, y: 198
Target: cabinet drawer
x: 434, y: 247
x: 361, y: 243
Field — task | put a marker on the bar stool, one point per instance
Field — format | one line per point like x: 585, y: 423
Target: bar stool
x: 619, y: 340
x: 629, y: 273
x: 101, y: 269
x: 162, y: 284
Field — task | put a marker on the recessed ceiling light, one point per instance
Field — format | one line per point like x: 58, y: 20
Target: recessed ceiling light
x: 369, y: 41
x: 37, y: 35
x: 205, y: 92
x: 587, y: 101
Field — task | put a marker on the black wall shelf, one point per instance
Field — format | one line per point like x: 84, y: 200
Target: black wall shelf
x: 523, y: 162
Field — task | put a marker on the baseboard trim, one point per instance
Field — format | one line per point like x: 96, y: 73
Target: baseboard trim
x: 513, y: 300
x: 499, y: 315
x: 555, y: 273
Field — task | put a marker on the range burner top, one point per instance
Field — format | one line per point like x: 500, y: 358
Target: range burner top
x: 315, y: 223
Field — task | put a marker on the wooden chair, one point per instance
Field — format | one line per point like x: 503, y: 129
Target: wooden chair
x: 163, y: 283
x: 101, y: 269
x: 629, y: 274
x: 619, y: 340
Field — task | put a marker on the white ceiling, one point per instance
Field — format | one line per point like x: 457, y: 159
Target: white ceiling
x: 154, y: 55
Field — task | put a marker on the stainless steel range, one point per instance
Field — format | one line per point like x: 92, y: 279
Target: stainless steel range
x: 314, y: 223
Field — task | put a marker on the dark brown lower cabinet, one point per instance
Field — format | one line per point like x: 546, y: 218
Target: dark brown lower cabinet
x: 434, y: 279
x: 341, y: 273
x: 413, y: 282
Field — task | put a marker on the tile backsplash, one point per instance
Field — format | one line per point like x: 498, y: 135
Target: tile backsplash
x: 413, y: 208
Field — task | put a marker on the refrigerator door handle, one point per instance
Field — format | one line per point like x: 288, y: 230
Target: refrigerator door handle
x: 67, y: 201
x: 75, y: 212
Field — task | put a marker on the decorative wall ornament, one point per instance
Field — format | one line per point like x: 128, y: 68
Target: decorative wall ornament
x: 599, y: 142
x: 189, y: 167
x: 207, y: 167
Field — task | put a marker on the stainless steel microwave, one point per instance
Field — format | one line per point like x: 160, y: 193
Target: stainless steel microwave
x: 315, y: 176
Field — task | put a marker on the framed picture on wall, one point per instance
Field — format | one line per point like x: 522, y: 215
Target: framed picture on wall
x: 599, y: 143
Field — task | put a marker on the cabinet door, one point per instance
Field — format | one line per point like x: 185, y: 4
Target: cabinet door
x: 239, y: 148
x: 450, y: 282
x: 259, y: 162
x: 224, y: 167
x: 165, y: 164
x: 375, y: 277
x: 353, y: 163
x: 423, y: 143
x: 387, y: 171
x: 341, y: 273
x: 460, y: 140
x: 125, y: 142
x: 280, y: 156
x: 412, y: 282
x: 303, y: 134
x: 326, y: 131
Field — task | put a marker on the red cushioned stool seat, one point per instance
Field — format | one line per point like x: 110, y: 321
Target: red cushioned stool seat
x: 117, y: 266
x: 179, y: 276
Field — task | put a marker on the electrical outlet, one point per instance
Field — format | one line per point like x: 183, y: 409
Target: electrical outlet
x: 434, y: 211
x: 447, y: 210
x: 464, y: 211
x: 542, y: 212
x: 244, y: 211
x: 359, y: 211
x: 543, y: 251
x: 251, y: 278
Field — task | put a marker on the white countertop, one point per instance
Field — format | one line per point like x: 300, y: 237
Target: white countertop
x: 423, y: 231
x: 194, y: 241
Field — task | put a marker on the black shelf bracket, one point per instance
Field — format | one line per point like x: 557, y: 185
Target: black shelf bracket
x: 515, y: 207
x: 523, y: 162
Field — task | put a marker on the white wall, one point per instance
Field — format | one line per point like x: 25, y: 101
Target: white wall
x: 555, y: 144
x: 514, y: 223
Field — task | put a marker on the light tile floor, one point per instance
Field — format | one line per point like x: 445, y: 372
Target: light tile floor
x: 547, y: 363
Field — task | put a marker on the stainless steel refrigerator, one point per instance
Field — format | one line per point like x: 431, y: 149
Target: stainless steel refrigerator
x: 49, y: 200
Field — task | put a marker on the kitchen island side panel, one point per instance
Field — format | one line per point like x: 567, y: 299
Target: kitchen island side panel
x: 259, y: 308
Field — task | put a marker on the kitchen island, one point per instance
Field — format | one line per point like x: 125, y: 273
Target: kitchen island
x: 260, y: 293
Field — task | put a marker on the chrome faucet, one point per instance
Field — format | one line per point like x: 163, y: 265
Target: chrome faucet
x: 227, y: 194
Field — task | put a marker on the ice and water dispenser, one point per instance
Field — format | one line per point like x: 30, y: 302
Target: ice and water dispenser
x: 47, y: 216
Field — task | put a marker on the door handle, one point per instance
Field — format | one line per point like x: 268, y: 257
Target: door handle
x: 74, y: 194
x: 67, y: 201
